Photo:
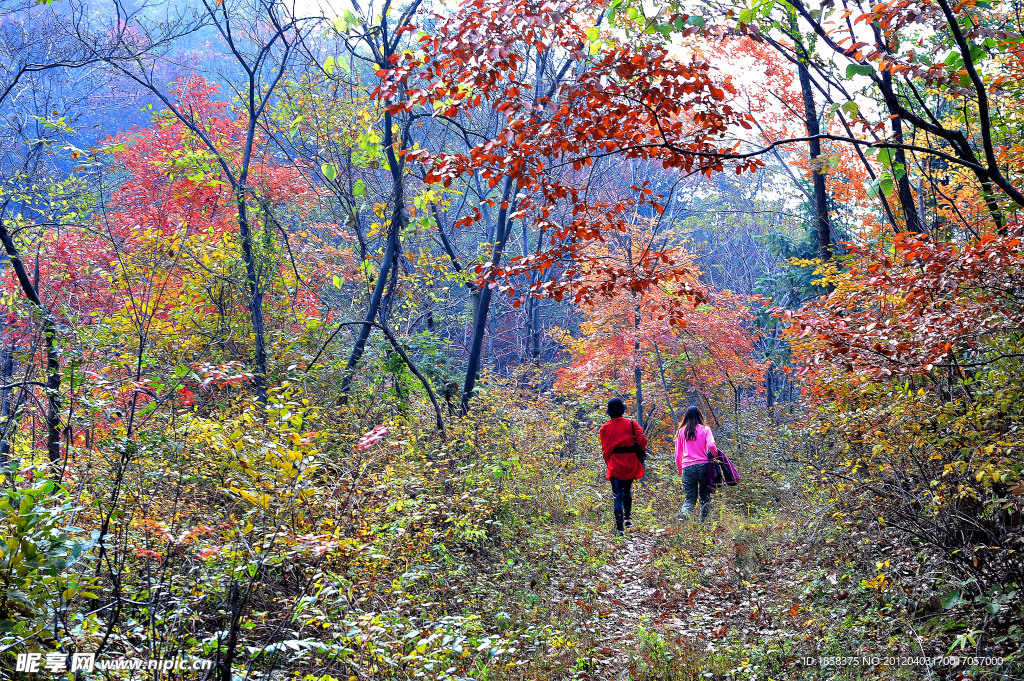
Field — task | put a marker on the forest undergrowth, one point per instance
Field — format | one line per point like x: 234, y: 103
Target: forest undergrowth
x: 780, y: 583
x: 306, y: 543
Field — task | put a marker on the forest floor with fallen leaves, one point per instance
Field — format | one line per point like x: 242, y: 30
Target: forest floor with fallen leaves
x: 773, y: 585
x: 677, y: 599
x: 508, y: 568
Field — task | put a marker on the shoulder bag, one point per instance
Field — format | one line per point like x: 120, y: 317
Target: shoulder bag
x: 640, y: 452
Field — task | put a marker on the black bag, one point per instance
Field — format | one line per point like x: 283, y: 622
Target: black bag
x: 640, y: 452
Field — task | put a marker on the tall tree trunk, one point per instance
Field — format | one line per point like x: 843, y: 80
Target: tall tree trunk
x: 736, y: 407
x: 7, y: 367
x: 907, y: 203
x: 906, y: 195
x: 664, y: 384
x: 398, y: 222
x: 475, y: 346
x: 988, y: 192
x: 53, y: 403
x: 503, y: 227
x: 638, y: 372
x: 371, y: 312
x: 535, y: 351
x: 52, y: 387
x: 638, y: 376
x: 534, y: 311
x: 920, y: 203
x: 490, y: 348
x: 822, y: 223
x: 252, y: 274
x: 528, y: 322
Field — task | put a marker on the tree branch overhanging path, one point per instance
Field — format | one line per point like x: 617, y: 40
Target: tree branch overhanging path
x: 688, y: 157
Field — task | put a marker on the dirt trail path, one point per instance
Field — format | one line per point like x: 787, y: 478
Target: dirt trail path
x: 629, y: 599
x: 634, y: 597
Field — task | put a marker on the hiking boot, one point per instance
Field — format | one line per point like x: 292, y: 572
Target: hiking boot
x: 628, y: 523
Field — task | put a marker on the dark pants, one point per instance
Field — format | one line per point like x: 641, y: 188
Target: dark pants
x: 622, y: 490
x: 695, y: 485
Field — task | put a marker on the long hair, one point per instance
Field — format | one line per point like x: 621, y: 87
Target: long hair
x: 691, y: 420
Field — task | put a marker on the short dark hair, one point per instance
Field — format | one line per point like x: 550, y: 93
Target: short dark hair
x: 616, y: 407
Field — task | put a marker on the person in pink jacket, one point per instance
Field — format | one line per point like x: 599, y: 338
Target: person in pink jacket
x: 695, y: 445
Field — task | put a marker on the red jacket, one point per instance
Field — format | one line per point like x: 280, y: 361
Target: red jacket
x: 619, y: 432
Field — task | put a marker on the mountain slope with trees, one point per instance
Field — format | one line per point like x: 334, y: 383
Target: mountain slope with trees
x: 311, y: 317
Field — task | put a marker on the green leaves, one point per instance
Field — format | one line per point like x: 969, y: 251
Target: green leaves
x: 954, y: 61
x: 367, y: 268
x: 882, y: 183
x: 331, y: 63
x: 891, y: 171
x: 859, y: 70
x: 370, y: 149
x: 346, y: 22
x: 329, y: 171
x: 38, y: 552
x: 612, y: 9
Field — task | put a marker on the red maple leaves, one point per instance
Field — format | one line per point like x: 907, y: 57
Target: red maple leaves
x: 560, y: 113
x: 925, y: 305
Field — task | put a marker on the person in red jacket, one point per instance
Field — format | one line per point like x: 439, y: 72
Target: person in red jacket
x: 619, y: 439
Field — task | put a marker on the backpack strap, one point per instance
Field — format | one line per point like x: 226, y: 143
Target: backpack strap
x: 626, y: 448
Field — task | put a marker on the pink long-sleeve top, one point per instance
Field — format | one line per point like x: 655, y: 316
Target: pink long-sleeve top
x: 691, y: 452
